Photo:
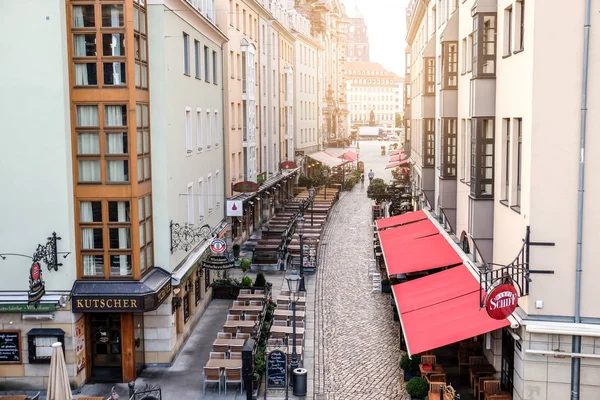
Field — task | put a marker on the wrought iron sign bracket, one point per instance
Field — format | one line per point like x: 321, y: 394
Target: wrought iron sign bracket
x: 185, y: 236
x: 48, y: 253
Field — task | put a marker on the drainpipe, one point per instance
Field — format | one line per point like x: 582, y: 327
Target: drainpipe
x: 576, y: 345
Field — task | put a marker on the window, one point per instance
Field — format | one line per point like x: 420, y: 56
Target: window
x: 506, y: 161
x: 469, y: 61
x: 508, y: 27
x: 197, y: 58
x: 482, y: 158
x: 190, y: 203
x: 230, y: 13
x: 143, y: 142
x: 206, y: 65
x: 208, y: 130
x: 232, y: 65
x: 210, y: 194
x: 244, y: 21
x: 237, y: 17
x: 484, y: 45
x: 217, y: 129
x: 188, y: 130
x: 199, y: 141
x: 429, y: 142
x: 40, y: 344
x: 141, y: 47
x: 521, y: 34
x: 519, y: 132
x: 201, y: 199
x: 186, y: 54
x: 105, y: 237
x: 449, y: 147
x: 217, y: 191
x: 450, y: 67
x: 214, y: 67
x: 429, y: 75
x: 145, y: 232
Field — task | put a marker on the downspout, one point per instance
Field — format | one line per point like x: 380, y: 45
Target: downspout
x: 576, y: 345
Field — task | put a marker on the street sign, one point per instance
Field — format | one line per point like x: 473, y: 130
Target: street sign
x: 502, y: 301
x: 235, y: 208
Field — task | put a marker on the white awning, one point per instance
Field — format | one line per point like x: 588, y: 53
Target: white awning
x: 326, y: 159
x: 192, y: 258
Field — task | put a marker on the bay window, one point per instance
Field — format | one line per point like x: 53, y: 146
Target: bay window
x: 449, y: 147
x: 484, y: 45
x: 428, y: 142
x: 429, y: 80
x: 449, y: 65
x: 482, y: 157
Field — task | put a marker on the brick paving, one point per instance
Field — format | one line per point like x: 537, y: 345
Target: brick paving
x: 356, y: 339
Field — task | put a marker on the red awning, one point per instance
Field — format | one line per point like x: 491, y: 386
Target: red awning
x: 394, y: 152
x: 349, y: 156
x: 406, y: 256
x: 401, y: 219
x: 441, y: 309
x: 396, y: 164
x: 397, y: 157
x: 406, y: 232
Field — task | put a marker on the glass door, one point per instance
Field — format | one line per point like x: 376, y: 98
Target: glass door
x: 508, y: 361
x: 106, y: 340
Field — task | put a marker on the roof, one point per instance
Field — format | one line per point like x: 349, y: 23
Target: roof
x: 363, y: 68
x: 352, y: 10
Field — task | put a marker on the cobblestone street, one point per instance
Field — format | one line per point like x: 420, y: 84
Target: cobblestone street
x: 356, y: 339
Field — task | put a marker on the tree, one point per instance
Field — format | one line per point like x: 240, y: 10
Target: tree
x: 399, y: 118
x: 378, y: 190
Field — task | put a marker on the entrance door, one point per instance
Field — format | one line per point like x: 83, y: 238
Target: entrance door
x: 508, y: 361
x: 105, y: 337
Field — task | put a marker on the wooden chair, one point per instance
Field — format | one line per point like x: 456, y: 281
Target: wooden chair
x: 300, y: 308
x: 490, y: 387
x: 230, y: 329
x: 239, y: 303
x: 212, y: 375
x: 220, y: 348
x: 248, y: 329
x: 236, y: 355
x: 245, y: 291
x: 436, y: 378
x: 217, y: 355
x: 241, y: 335
x: 255, y: 303
x: 278, y: 335
x: 463, y: 359
x: 434, y: 387
x: 280, y: 317
x: 475, y: 360
x: 233, y: 375
x: 235, y: 312
x: 279, y: 322
x: 259, y: 291
x: 283, y: 304
x: 275, y: 342
x: 299, y: 324
x: 479, y: 384
x: 235, y: 349
x: 233, y: 317
x: 299, y: 342
x: 249, y: 317
x: 224, y: 335
x: 429, y: 359
x: 284, y: 292
x: 500, y: 396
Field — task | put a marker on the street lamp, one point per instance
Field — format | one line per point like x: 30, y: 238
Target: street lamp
x: 293, y: 281
x: 300, y: 227
x: 312, y: 193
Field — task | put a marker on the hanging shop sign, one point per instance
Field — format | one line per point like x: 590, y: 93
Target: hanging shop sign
x: 36, y: 283
x: 218, y: 259
x: 235, y: 208
x: 502, y: 301
x: 288, y: 165
x: 246, y: 187
x: 260, y: 178
x: 276, y: 370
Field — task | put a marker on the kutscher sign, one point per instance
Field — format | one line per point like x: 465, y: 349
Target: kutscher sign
x: 502, y: 301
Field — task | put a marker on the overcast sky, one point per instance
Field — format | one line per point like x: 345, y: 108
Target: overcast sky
x: 386, y: 27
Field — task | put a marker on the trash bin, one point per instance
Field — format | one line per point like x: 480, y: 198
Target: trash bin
x: 300, y: 381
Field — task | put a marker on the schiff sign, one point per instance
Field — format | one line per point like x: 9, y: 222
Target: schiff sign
x: 502, y: 301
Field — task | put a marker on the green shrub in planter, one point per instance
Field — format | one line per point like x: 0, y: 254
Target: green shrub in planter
x: 246, y: 281
x: 417, y: 388
x: 405, y: 362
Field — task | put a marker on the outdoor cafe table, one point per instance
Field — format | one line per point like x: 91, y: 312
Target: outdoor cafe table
x: 239, y: 324
x: 436, y: 369
x: 229, y: 342
x: 251, y: 296
x: 288, y: 313
x: 227, y: 363
x: 246, y: 308
x: 286, y: 329
x: 481, y: 369
x: 301, y: 300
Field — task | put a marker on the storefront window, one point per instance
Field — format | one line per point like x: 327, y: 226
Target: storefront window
x: 40, y: 344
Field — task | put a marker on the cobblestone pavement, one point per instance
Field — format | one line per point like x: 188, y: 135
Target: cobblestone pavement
x: 356, y: 339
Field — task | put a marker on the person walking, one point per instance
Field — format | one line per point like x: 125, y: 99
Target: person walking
x: 362, y: 179
x: 371, y: 176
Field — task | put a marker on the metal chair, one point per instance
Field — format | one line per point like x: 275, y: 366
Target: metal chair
x: 212, y: 375
x: 233, y: 375
x: 239, y: 303
x: 224, y: 335
x: 233, y: 317
x: 256, y: 303
x: 217, y: 355
x: 241, y: 335
x: 220, y: 348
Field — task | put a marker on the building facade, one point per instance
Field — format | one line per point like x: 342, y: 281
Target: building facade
x: 482, y: 137
x: 374, y: 94
x: 358, y: 39
x: 188, y: 166
x: 307, y: 73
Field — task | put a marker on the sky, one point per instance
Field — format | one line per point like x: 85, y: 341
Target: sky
x: 386, y: 27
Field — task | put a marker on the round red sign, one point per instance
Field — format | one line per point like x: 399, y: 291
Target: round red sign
x: 218, y: 246
x: 502, y: 301
x: 35, y: 271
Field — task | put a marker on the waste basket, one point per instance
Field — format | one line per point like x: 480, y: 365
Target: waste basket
x: 300, y: 381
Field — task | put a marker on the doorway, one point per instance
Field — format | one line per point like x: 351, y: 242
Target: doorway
x: 508, y: 361
x: 106, y: 347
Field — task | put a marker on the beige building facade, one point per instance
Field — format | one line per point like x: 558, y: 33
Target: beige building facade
x: 482, y: 132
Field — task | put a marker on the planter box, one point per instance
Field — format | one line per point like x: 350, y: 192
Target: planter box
x: 232, y: 292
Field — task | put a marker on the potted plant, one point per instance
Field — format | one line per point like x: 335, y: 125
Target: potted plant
x: 246, y: 281
x: 386, y: 287
x: 245, y: 264
x: 417, y: 388
x: 236, y: 250
x: 410, y: 366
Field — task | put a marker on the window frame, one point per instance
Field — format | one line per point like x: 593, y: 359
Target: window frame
x: 428, y: 142
x: 449, y: 156
x: 449, y: 65
x: 186, y: 54
x: 145, y: 225
x: 508, y: 32
x: 429, y: 76
x: 478, y: 145
x: 479, y: 56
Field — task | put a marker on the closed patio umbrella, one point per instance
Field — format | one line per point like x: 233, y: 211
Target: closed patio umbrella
x: 58, y: 381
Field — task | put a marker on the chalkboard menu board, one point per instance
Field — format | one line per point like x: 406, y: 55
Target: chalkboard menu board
x: 276, y: 369
x: 10, y: 347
